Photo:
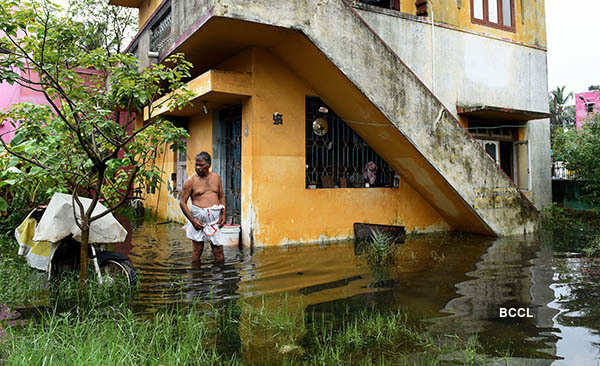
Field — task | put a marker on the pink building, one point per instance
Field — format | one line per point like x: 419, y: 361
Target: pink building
x: 12, y: 94
x: 586, y: 105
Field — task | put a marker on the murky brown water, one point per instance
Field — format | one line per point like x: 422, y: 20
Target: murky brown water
x: 457, y: 284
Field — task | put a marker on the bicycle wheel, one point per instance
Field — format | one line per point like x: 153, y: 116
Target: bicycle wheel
x: 118, y: 270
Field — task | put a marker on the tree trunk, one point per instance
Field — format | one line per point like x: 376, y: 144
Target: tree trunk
x: 83, y: 254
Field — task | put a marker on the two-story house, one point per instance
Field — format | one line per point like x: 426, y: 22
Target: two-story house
x: 322, y: 113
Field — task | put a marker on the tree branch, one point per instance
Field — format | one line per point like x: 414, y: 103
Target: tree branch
x: 123, y: 199
x: 22, y: 157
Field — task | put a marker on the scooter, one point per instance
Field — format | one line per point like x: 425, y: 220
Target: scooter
x: 64, y: 256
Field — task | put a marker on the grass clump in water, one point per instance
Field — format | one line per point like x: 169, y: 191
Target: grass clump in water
x: 382, y: 338
x: 381, y: 249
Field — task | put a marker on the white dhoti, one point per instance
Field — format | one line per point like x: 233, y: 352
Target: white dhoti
x: 210, y: 218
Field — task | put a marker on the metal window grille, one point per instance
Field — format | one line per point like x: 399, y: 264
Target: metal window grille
x: 338, y: 158
x: 160, y: 33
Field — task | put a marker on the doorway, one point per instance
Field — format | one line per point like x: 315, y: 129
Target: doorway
x: 228, y: 158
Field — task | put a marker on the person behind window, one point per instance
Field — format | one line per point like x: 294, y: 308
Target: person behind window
x: 370, y: 175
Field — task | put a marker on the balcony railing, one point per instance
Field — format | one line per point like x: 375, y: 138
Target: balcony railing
x: 160, y: 33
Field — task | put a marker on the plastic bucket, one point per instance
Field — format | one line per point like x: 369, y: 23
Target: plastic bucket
x: 231, y: 234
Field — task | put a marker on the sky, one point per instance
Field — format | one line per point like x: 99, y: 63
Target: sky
x: 573, y: 31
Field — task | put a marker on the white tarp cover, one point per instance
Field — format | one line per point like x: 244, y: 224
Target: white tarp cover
x: 37, y: 253
x: 58, y: 222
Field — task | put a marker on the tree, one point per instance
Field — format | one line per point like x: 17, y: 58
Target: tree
x: 557, y: 102
x: 102, y: 25
x: 580, y: 150
x: 86, y: 138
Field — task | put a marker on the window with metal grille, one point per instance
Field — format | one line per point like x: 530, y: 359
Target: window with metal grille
x: 336, y: 157
x: 160, y: 32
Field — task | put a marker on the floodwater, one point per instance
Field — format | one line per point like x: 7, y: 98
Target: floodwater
x: 455, y: 284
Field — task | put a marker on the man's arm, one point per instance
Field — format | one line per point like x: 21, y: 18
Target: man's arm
x: 185, y: 195
x: 221, y: 196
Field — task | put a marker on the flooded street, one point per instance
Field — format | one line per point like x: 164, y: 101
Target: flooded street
x: 524, y: 302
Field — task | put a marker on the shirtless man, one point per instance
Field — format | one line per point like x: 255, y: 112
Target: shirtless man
x: 207, y: 214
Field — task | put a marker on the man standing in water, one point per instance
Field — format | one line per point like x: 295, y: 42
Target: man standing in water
x: 207, y: 214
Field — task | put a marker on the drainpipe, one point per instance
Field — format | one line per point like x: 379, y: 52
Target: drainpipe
x: 432, y: 46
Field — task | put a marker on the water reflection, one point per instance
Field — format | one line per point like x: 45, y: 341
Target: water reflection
x: 456, y: 283
x: 162, y: 256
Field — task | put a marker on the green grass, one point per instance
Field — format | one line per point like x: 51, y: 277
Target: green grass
x: 234, y: 333
x: 20, y: 284
x: 116, y: 337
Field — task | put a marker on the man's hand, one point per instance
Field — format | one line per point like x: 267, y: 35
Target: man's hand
x: 221, y: 219
x: 197, y: 224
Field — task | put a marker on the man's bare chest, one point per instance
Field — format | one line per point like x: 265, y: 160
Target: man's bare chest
x: 204, y: 185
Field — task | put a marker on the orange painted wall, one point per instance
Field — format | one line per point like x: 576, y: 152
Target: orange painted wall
x: 274, y: 192
x: 276, y: 206
x: 147, y: 7
x: 165, y: 202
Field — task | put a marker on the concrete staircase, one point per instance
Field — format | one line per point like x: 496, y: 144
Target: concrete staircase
x: 425, y: 143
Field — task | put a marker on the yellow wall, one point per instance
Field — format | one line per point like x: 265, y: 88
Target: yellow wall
x: 529, y: 19
x: 165, y: 202
x: 276, y: 206
x: 283, y: 209
x: 147, y: 8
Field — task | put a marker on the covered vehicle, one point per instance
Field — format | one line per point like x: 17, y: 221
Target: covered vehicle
x: 50, y: 237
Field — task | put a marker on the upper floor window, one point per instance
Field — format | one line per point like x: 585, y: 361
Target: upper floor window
x: 589, y: 107
x: 494, y: 13
x: 160, y: 31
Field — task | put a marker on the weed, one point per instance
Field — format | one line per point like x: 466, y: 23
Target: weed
x: 381, y: 250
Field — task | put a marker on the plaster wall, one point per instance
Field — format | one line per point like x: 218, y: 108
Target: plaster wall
x: 276, y: 206
x: 540, y: 161
x: 463, y: 68
x: 14, y: 94
x: 466, y: 69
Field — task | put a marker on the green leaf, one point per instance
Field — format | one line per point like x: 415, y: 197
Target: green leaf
x: 3, y: 204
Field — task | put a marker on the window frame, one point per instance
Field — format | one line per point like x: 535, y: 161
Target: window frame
x: 485, y: 21
x: 339, y: 154
x: 589, y: 107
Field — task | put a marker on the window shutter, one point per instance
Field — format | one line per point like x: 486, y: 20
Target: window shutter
x: 181, y: 169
